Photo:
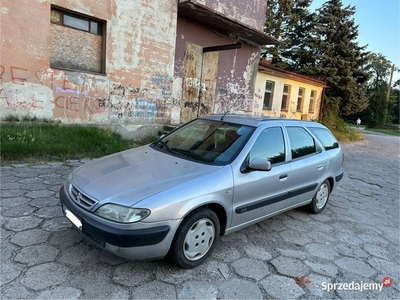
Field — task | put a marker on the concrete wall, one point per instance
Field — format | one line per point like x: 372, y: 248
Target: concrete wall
x: 136, y: 88
x: 291, y: 112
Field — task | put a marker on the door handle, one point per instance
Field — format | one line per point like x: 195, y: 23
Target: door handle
x: 283, y: 177
x: 320, y: 167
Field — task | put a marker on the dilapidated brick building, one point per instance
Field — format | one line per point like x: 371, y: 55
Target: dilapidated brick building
x: 131, y: 65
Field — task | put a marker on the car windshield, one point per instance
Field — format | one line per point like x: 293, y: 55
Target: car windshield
x: 206, y: 141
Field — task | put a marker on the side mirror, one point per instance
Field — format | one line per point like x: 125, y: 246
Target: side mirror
x: 260, y: 164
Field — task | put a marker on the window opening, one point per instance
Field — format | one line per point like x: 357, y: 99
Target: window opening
x: 312, y: 101
x: 300, y: 98
x: 285, y: 97
x: 268, y: 95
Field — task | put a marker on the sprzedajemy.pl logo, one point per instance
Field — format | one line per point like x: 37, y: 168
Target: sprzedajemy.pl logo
x: 357, y: 286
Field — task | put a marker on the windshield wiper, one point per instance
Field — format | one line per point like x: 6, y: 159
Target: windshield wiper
x: 164, y: 145
x: 190, y: 154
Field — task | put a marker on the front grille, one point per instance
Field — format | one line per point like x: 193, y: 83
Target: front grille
x: 81, y: 199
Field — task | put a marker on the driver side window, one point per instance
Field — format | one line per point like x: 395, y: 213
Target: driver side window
x: 269, y: 145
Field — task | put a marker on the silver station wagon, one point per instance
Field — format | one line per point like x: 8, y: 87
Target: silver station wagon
x: 210, y: 177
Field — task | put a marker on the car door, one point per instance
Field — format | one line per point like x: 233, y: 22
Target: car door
x: 260, y: 193
x: 309, y: 163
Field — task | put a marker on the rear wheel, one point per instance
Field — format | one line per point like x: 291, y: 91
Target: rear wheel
x: 320, y: 198
x: 195, y: 238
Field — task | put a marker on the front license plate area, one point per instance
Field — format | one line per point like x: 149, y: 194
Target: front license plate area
x: 73, y: 219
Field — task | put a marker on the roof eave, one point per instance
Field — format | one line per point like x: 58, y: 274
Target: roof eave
x: 220, y: 23
x: 290, y: 75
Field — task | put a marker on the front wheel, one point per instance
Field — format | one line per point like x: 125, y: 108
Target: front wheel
x: 320, y: 198
x: 195, y: 238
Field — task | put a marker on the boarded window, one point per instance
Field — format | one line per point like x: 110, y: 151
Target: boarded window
x: 77, y: 42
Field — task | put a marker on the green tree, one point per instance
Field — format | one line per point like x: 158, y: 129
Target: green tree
x: 289, y: 22
x: 340, y: 60
x: 377, y: 111
x: 395, y: 95
x: 275, y: 16
x: 298, y: 52
x: 378, y: 68
x: 381, y: 104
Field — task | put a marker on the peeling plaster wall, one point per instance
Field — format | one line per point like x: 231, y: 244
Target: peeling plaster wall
x: 250, y: 13
x: 136, y: 89
x: 237, y: 69
x: 143, y: 79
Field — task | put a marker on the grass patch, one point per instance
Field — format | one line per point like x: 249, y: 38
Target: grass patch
x: 393, y: 131
x: 41, y: 142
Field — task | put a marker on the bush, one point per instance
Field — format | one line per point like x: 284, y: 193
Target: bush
x: 339, y: 127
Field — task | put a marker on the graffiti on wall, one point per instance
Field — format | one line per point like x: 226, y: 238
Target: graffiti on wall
x: 195, y: 83
x: 14, y: 97
x: 80, y: 96
x: 233, y: 96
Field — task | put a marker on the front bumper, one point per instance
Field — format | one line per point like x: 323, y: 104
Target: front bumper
x: 148, y: 241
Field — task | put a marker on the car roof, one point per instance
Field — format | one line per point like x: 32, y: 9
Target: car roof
x: 256, y: 120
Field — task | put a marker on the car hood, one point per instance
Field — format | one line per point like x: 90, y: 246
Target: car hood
x: 131, y: 176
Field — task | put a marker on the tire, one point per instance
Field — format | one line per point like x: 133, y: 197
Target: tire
x: 195, y: 238
x: 320, y: 198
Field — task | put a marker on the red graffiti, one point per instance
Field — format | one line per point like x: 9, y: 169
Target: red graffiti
x: 3, y: 69
x: 36, y: 103
x: 68, y: 85
x: 19, y: 103
x: 76, y: 104
x: 40, y: 80
x: 15, y: 77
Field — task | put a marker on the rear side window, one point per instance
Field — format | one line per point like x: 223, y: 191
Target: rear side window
x: 301, y: 142
x: 269, y: 145
x: 326, y: 138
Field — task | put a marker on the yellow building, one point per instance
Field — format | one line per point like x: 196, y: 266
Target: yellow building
x: 279, y: 93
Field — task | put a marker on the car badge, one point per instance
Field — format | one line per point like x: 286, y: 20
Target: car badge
x: 79, y: 197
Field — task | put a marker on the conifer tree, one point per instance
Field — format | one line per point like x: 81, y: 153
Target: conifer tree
x: 297, y: 38
x: 290, y: 22
x: 322, y: 45
x: 340, y: 59
x: 276, y: 13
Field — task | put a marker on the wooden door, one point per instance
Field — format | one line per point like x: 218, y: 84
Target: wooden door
x: 199, y: 83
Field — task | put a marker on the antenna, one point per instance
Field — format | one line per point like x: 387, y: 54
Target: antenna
x: 233, y: 104
x: 222, y: 118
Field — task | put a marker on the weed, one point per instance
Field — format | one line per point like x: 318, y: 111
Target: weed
x: 11, y: 118
x: 23, y: 137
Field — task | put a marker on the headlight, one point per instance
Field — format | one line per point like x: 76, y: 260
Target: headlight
x: 122, y: 214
